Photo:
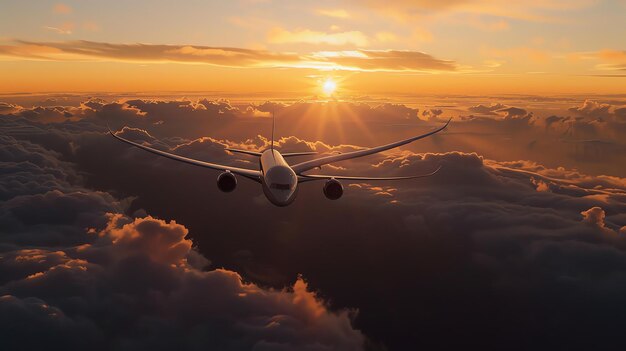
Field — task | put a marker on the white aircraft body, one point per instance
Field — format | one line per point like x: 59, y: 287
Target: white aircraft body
x: 279, y: 179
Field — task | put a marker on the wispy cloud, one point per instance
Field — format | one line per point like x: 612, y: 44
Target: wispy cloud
x: 531, y: 10
x: 605, y: 60
x: 613, y: 60
x: 65, y: 28
x: 386, y: 60
x: 356, y: 60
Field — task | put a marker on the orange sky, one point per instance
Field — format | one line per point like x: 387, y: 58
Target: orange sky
x: 279, y: 47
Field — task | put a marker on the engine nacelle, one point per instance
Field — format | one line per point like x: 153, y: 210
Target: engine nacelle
x: 226, y: 182
x: 333, y: 189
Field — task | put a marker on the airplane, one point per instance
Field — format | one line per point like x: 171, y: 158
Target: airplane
x: 279, y: 180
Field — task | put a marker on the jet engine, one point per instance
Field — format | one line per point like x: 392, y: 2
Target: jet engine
x: 333, y: 189
x: 226, y: 182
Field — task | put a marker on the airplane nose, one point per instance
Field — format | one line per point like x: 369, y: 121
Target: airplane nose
x: 280, y: 184
x: 282, y: 196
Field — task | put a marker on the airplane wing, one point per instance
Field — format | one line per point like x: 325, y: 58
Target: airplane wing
x: 248, y: 173
x: 310, y: 177
x: 305, y: 166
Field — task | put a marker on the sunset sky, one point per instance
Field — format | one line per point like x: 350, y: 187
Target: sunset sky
x: 372, y: 47
x: 517, y: 242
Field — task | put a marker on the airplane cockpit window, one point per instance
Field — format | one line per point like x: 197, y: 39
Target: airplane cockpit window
x: 280, y: 186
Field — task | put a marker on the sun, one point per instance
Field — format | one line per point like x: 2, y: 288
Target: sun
x: 329, y: 87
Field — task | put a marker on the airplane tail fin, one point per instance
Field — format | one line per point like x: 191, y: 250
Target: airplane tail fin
x: 273, y: 124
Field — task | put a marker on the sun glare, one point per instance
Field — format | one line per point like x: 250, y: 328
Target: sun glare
x: 329, y: 87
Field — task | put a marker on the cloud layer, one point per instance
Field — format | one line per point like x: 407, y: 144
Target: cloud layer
x: 77, y: 273
x: 534, y: 252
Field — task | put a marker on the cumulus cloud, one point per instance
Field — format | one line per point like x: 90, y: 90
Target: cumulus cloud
x: 156, y: 297
x: 592, y: 109
x: 6, y: 108
x: 588, y: 143
x: 495, y: 109
x: 432, y: 114
x: 595, y: 217
x: 486, y: 110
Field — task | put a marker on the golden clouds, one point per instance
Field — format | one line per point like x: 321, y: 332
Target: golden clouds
x: 30, y: 51
x: 356, y: 60
x: 387, y: 60
x: 604, y: 60
x: 613, y: 55
x: 614, y: 60
x: 87, y: 50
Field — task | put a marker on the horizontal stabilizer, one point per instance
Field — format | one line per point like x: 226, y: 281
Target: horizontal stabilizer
x: 247, y: 152
x: 258, y: 154
x: 292, y: 154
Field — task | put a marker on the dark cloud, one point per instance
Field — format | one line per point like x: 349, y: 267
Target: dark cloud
x: 31, y: 323
x: 530, y: 252
x: 620, y: 113
x: 432, y: 114
x: 76, y: 273
x: 554, y: 119
x: 44, y: 114
x: 135, y: 287
x: 29, y: 168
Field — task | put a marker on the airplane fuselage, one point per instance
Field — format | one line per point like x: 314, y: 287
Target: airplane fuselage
x: 279, y: 181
